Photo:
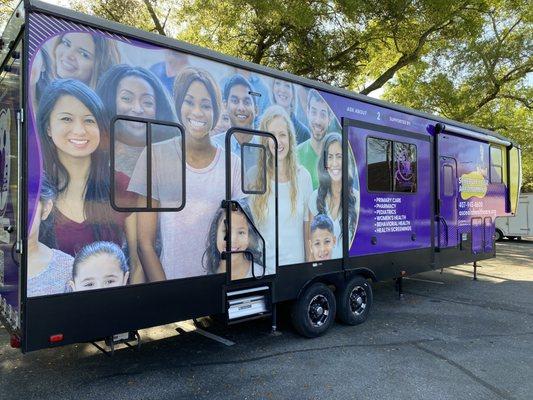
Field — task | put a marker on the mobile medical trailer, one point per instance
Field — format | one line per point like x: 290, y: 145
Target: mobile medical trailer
x: 147, y: 181
x: 519, y: 225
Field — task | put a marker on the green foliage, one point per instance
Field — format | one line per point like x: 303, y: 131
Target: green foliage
x: 6, y: 9
x: 482, y: 79
x: 468, y: 60
x: 147, y: 15
x: 357, y: 44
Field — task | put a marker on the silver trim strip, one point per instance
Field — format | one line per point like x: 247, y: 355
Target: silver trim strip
x: 243, y: 300
x: 251, y: 290
x: 475, y: 135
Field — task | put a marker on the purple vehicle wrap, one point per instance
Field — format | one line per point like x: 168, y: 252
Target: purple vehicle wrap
x: 479, y: 194
x: 389, y: 205
x: 158, y: 182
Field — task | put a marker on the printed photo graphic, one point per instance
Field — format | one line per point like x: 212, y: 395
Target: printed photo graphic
x: 104, y: 107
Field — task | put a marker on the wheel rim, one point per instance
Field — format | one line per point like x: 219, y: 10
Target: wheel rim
x: 358, y: 300
x: 318, y: 310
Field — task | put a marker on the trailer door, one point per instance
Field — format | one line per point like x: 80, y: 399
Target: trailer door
x: 250, y: 224
x: 251, y: 215
x: 448, y: 197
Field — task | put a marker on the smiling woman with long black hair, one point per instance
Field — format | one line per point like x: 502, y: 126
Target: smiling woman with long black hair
x: 327, y: 199
x: 74, y: 139
x: 134, y: 92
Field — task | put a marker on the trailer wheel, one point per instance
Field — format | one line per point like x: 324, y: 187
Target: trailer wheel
x: 354, y: 301
x: 498, y: 235
x: 314, y: 311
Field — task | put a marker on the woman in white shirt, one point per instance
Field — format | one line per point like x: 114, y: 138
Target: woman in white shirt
x: 197, y: 103
x: 294, y: 189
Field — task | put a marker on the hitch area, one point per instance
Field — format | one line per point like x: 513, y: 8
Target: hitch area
x: 130, y: 339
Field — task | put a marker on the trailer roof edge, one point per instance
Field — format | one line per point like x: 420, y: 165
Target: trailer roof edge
x: 176, y: 44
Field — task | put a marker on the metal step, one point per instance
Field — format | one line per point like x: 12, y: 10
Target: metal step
x: 249, y: 302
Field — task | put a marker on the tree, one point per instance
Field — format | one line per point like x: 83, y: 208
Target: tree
x: 359, y: 44
x: 6, y: 9
x: 468, y: 60
x: 481, y: 79
x: 148, y: 15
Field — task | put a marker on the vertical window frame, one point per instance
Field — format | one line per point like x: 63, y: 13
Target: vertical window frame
x: 410, y: 145
x: 243, y: 173
x: 149, y: 122
x: 391, y: 169
x: 368, y: 138
x: 499, y: 166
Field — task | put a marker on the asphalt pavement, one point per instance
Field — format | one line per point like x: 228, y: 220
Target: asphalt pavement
x: 449, y: 338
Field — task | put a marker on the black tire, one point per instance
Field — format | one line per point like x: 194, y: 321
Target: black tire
x: 354, y: 301
x: 314, y: 311
x: 498, y: 236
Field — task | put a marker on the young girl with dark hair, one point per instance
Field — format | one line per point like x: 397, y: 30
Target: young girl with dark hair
x: 73, y: 135
x: 243, y: 238
x: 197, y: 104
x: 48, y: 269
x: 134, y: 92
x: 327, y: 199
x: 99, y: 265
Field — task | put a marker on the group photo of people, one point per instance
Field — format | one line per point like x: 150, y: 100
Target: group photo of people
x: 80, y: 240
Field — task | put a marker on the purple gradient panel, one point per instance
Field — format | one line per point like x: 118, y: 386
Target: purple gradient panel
x: 414, y: 229
x: 415, y: 207
x: 34, y: 168
x: 477, y: 235
x: 488, y: 237
x: 447, y: 220
x: 473, y: 156
x: 43, y: 28
x: 353, y: 109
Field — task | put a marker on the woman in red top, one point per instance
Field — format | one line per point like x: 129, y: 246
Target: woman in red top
x: 74, y: 139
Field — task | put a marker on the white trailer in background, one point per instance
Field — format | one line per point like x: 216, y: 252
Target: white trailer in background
x: 519, y: 225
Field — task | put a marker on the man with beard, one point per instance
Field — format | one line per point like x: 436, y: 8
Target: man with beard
x: 241, y: 108
x: 319, y: 118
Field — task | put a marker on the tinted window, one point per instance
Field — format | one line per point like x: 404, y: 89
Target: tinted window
x: 379, y: 160
x: 392, y: 166
x: 448, y: 180
x: 496, y: 165
x: 404, y: 167
x: 253, y: 158
x: 141, y: 181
